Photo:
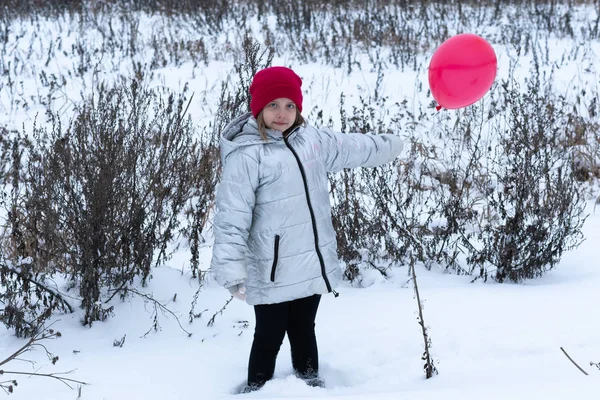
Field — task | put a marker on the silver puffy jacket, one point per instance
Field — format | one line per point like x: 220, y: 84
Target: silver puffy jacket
x: 272, y: 225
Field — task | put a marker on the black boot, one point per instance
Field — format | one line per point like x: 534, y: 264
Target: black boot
x: 249, y: 389
x: 315, y: 382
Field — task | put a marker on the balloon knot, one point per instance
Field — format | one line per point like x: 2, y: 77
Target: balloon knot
x: 438, y: 108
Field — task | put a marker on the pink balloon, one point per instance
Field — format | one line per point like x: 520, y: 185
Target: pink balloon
x: 462, y: 70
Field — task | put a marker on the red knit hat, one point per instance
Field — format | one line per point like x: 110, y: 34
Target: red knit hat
x: 272, y: 83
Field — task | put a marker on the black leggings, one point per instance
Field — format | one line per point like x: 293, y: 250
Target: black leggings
x: 297, y: 318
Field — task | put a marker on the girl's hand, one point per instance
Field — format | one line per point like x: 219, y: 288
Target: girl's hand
x: 238, y: 291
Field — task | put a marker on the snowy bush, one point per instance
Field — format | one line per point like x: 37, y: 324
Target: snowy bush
x: 99, y: 201
x: 500, y: 200
x: 535, y: 211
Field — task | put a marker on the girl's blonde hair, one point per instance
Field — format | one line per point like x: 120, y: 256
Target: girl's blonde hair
x: 262, y: 128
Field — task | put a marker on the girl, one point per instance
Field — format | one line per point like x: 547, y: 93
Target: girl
x: 275, y: 246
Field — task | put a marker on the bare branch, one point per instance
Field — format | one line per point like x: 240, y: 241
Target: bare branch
x: 158, y: 305
x: 211, y: 321
x: 44, y: 333
x: 52, y: 375
x: 429, y: 366
x: 574, y: 363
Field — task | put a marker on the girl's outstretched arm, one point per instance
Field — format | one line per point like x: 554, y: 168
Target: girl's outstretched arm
x: 351, y: 150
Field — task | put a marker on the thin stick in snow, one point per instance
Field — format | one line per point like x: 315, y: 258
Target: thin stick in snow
x: 574, y: 363
x: 429, y: 366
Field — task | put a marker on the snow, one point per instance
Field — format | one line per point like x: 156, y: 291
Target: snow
x: 491, y: 341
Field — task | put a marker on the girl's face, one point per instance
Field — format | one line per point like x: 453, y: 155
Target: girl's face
x: 280, y: 114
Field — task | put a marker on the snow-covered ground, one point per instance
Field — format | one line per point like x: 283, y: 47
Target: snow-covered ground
x: 491, y: 341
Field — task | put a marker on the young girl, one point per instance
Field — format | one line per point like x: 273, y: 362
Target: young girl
x: 275, y: 246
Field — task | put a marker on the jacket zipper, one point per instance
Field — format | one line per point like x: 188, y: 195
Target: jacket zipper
x: 312, y: 217
x: 275, y: 257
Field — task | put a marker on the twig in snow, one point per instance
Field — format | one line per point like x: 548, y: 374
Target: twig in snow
x: 429, y: 366
x: 157, y: 305
x: 211, y: 322
x: 44, y: 333
x: 574, y: 363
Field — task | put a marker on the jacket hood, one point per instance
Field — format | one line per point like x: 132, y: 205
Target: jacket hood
x: 243, y: 131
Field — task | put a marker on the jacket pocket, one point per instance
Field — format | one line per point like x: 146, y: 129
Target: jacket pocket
x: 275, y: 257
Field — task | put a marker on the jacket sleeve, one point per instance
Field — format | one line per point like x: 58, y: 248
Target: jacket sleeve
x: 231, y: 225
x: 351, y: 150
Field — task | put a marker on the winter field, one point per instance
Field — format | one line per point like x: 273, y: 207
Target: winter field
x: 491, y: 341
x: 180, y: 337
